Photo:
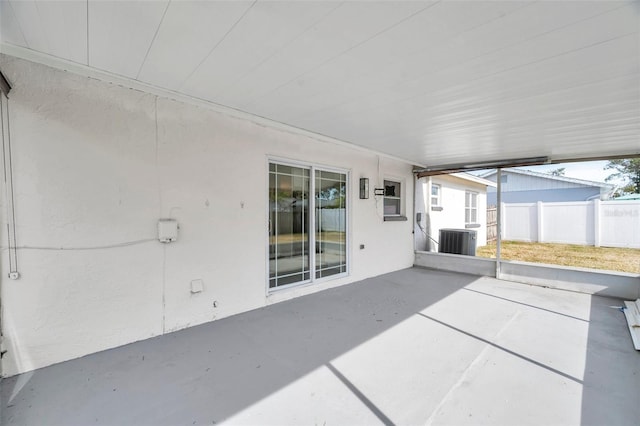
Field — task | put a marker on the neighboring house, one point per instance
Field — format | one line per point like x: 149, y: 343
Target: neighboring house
x: 525, y: 186
x: 458, y: 201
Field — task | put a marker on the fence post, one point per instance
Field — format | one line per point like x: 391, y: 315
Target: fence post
x: 540, y: 219
x: 596, y: 222
x: 502, y: 223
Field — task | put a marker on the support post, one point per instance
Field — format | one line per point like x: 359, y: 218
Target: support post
x: 427, y: 214
x: 499, y: 221
x: 540, y: 220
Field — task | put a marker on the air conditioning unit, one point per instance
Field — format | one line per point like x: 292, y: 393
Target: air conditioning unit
x: 458, y: 241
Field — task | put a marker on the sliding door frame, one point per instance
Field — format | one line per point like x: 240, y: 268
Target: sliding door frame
x: 313, y: 167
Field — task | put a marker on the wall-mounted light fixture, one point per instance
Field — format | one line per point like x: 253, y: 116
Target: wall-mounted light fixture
x: 364, y: 188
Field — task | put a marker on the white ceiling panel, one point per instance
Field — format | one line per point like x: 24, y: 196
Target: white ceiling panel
x: 57, y: 28
x: 539, y: 78
x: 179, y: 48
x: 447, y: 68
x: 64, y: 24
x: 121, y: 33
x: 29, y: 21
x: 433, y: 82
x: 344, y: 28
x: 266, y: 30
x: 525, y: 72
x: 383, y: 59
x: 9, y: 26
x: 462, y: 50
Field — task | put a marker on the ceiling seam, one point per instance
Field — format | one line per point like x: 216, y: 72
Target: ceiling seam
x: 306, y: 30
x: 345, y: 51
x: 217, y: 44
x: 146, y: 55
x: 491, y: 52
x: 19, y: 24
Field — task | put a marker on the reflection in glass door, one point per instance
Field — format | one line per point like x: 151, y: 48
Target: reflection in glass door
x: 288, y: 225
x: 330, y: 223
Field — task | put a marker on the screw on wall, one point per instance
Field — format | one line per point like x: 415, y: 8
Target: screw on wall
x: 215, y: 303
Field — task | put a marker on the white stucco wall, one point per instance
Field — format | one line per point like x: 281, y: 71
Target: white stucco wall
x: 97, y: 164
x: 452, y: 201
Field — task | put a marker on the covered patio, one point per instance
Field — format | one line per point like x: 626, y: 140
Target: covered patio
x: 211, y: 212
x: 414, y: 346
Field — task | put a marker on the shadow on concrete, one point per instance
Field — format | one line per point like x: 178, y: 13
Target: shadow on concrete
x: 207, y: 373
x: 612, y: 369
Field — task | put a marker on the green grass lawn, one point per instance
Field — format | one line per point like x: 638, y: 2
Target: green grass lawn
x: 612, y: 259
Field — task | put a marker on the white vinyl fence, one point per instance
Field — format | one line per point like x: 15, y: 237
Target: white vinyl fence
x: 598, y: 223
x: 331, y: 219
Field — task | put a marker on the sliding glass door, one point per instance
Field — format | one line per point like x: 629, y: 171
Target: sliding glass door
x: 288, y: 225
x: 331, y: 223
x: 298, y: 222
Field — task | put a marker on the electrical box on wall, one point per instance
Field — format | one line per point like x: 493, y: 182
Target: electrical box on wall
x: 167, y: 230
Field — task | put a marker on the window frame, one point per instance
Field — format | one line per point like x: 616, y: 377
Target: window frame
x: 401, y: 199
x: 389, y: 183
x: 438, y: 196
x: 468, y: 209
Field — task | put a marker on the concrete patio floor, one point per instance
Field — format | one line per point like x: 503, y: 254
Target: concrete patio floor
x: 411, y: 347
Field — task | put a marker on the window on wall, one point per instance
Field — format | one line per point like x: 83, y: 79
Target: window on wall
x: 470, y: 208
x: 392, y: 199
x: 435, y: 195
x: 307, y: 224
